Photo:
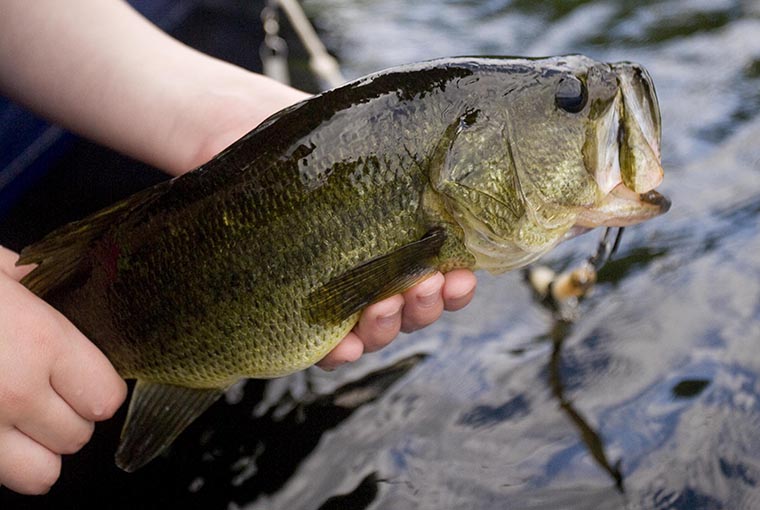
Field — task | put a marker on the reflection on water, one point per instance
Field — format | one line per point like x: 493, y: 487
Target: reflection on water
x: 587, y: 434
x: 649, y: 400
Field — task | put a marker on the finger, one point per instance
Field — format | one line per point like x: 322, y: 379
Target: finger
x: 26, y: 466
x: 56, y: 426
x: 86, y: 380
x: 459, y: 289
x: 349, y: 349
x: 423, y: 303
x: 380, y: 323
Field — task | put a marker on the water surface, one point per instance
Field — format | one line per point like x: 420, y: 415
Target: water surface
x: 651, y: 398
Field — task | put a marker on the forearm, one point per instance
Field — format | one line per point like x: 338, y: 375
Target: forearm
x: 99, y: 68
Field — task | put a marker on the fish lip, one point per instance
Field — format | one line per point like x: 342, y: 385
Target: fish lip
x: 639, y: 131
x: 623, y: 207
x: 626, y: 142
x: 656, y: 199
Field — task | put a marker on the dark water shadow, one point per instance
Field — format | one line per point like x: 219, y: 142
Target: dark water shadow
x: 228, y: 456
x: 591, y: 438
x: 358, y: 499
x: 263, y: 466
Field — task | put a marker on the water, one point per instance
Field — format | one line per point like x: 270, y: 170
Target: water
x: 650, y: 400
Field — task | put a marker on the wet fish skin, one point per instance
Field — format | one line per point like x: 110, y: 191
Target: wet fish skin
x: 257, y: 263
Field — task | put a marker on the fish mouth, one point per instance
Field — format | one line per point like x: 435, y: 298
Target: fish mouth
x: 623, y: 207
x: 628, y: 157
x: 639, y: 134
x: 657, y: 200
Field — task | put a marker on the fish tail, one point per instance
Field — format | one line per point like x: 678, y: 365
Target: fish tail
x: 61, y: 256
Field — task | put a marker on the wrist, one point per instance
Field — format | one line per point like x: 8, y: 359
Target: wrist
x: 220, y: 106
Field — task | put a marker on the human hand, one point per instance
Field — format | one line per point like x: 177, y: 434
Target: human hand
x: 416, y: 308
x: 54, y: 384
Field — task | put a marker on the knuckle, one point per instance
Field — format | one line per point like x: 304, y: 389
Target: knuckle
x: 378, y: 340
x: 16, y: 399
x: 78, y: 440
x: 45, y: 335
x: 112, y: 401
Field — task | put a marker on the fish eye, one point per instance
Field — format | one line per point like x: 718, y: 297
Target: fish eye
x: 571, y: 94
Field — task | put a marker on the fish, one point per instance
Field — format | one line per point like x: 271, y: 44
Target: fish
x: 257, y: 263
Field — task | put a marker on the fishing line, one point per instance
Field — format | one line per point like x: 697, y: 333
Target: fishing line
x: 606, y: 248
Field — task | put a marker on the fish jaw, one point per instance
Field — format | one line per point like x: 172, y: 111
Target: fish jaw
x: 639, y: 133
x: 623, y: 207
x: 628, y: 164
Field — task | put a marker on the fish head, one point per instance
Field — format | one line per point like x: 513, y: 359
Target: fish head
x: 589, y: 147
x: 582, y: 151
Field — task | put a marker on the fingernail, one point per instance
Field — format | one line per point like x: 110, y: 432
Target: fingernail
x: 390, y: 320
x: 429, y: 298
x: 457, y: 302
x: 430, y: 291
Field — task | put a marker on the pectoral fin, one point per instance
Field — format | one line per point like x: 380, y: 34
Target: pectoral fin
x: 376, y: 279
x: 157, y: 414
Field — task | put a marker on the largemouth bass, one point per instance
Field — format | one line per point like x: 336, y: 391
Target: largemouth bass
x: 257, y: 263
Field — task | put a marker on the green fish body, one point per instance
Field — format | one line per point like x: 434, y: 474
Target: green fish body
x: 257, y: 263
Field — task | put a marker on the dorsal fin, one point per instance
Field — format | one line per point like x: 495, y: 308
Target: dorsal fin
x: 60, y: 255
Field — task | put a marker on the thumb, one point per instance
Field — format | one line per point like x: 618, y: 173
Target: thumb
x: 8, y: 265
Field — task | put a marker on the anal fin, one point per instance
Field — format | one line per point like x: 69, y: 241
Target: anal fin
x: 157, y: 414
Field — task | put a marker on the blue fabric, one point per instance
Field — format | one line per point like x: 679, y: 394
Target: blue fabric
x: 30, y: 146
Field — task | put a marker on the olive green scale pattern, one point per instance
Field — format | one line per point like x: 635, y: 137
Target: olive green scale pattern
x: 213, y: 277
